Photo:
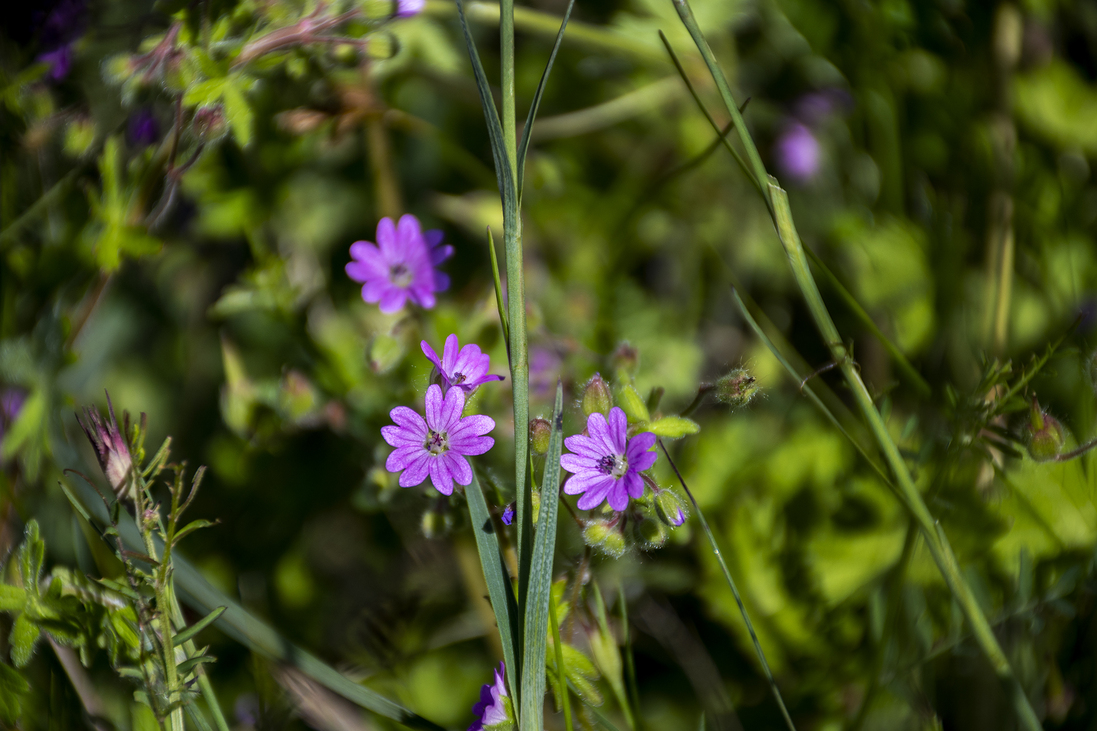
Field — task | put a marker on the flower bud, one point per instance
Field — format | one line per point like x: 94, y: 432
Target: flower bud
x: 737, y: 388
x: 209, y: 123
x: 1043, y: 435
x: 626, y: 361
x: 652, y: 533
x: 596, y: 396
x: 110, y: 448
x: 604, y: 535
x: 539, y: 432
x: 670, y: 507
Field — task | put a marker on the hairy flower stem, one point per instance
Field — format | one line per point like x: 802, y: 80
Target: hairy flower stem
x: 777, y: 202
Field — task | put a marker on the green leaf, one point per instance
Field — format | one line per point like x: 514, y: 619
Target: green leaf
x: 192, y: 663
x: 191, y: 527
x: 523, y: 146
x: 191, y: 632
x: 239, y: 113
x: 24, y: 634
x: 12, y: 598
x: 536, y: 627
x: 13, y: 689
x: 31, y: 555
x: 673, y: 427
x: 500, y: 590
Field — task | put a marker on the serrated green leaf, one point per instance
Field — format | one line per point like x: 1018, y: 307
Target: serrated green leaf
x: 13, y: 689
x: 673, y: 427
x: 24, y: 633
x: 12, y: 598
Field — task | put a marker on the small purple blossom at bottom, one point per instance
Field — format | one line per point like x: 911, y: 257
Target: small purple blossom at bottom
x: 491, y: 710
x: 400, y: 266
x: 466, y: 368
x: 438, y: 445
x: 508, y: 514
x: 798, y: 153
x: 606, y: 465
x: 408, y: 8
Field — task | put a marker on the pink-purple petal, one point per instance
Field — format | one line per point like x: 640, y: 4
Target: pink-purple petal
x: 618, y: 428
x: 452, y: 406
x: 576, y: 463
x: 618, y: 498
x: 431, y: 355
x: 409, y: 419
x: 586, y: 481
x: 473, y: 445
x: 449, y: 354
x: 416, y: 471
x: 434, y: 406
x: 441, y: 477
x: 634, y: 484
x: 594, y: 496
x: 476, y: 425
x: 458, y: 467
x: 585, y: 446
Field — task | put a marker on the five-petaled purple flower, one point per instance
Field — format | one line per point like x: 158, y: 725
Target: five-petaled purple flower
x: 491, y: 709
x: 437, y: 446
x: 606, y: 464
x: 400, y: 266
x: 466, y: 368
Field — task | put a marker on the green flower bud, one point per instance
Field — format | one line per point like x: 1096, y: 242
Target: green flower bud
x: 539, y: 432
x: 1043, y: 435
x: 737, y: 388
x: 670, y: 507
x: 604, y: 535
x: 652, y: 533
x: 596, y: 396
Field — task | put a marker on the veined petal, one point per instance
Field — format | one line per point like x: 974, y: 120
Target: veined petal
x: 397, y: 436
x: 575, y: 463
x: 594, y: 496
x: 458, y: 467
x: 431, y: 355
x: 440, y: 476
x: 598, y: 429
x: 417, y: 470
x: 585, y: 446
x: 639, y: 444
x: 618, y: 498
x: 633, y: 483
x: 452, y: 406
x: 410, y: 420
x: 586, y: 481
x: 473, y: 445
x: 403, y: 456
x: 449, y: 354
x: 642, y: 461
x: 476, y: 425
x: 618, y: 428
x: 434, y: 406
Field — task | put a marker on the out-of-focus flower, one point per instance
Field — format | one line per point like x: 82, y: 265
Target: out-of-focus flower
x: 143, y: 129
x: 798, y: 153
x: 400, y: 266
x: 110, y: 448
x: 493, y: 710
x: 508, y: 514
x: 606, y: 465
x: 408, y: 8
x: 59, y: 60
x: 467, y: 368
x: 544, y: 370
x: 438, y: 445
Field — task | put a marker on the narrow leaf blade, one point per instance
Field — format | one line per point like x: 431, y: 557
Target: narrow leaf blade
x: 191, y: 632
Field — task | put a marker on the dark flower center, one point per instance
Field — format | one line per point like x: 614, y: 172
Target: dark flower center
x: 459, y: 378
x: 400, y: 275
x: 614, y: 465
x: 437, y: 442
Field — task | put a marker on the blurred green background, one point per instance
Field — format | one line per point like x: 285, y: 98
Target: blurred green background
x: 938, y: 159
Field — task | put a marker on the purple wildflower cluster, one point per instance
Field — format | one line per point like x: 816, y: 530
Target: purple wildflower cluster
x: 605, y: 463
x: 436, y: 446
x: 400, y: 266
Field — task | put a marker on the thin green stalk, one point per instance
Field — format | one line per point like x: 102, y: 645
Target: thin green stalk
x: 506, y: 63
x: 777, y: 201
x: 734, y: 590
x: 561, y: 670
x: 628, y: 105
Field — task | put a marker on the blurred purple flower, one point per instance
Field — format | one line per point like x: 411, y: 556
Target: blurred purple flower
x: 408, y: 8
x: 11, y: 403
x: 400, y: 266
x: 798, y: 153
x: 143, y: 129
x: 544, y: 370
x: 466, y: 369
x: 437, y: 446
x: 491, y: 709
x: 508, y: 514
x: 59, y: 61
x: 814, y: 108
x: 606, y: 464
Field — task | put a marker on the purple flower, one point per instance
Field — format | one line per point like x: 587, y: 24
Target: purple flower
x: 11, y: 403
x: 408, y: 8
x: 797, y: 152
x: 436, y: 447
x: 606, y: 464
x: 110, y: 448
x: 544, y: 369
x: 59, y: 60
x: 493, y: 706
x: 508, y: 514
x: 466, y: 368
x: 143, y: 129
x: 400, y: 267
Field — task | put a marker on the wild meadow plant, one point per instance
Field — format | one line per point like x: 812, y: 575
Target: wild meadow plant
x: 602, y: 457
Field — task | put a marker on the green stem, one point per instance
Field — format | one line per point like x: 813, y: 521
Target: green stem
x: 561, y: 673
x: 734, y: 590
x: 506, y: 62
